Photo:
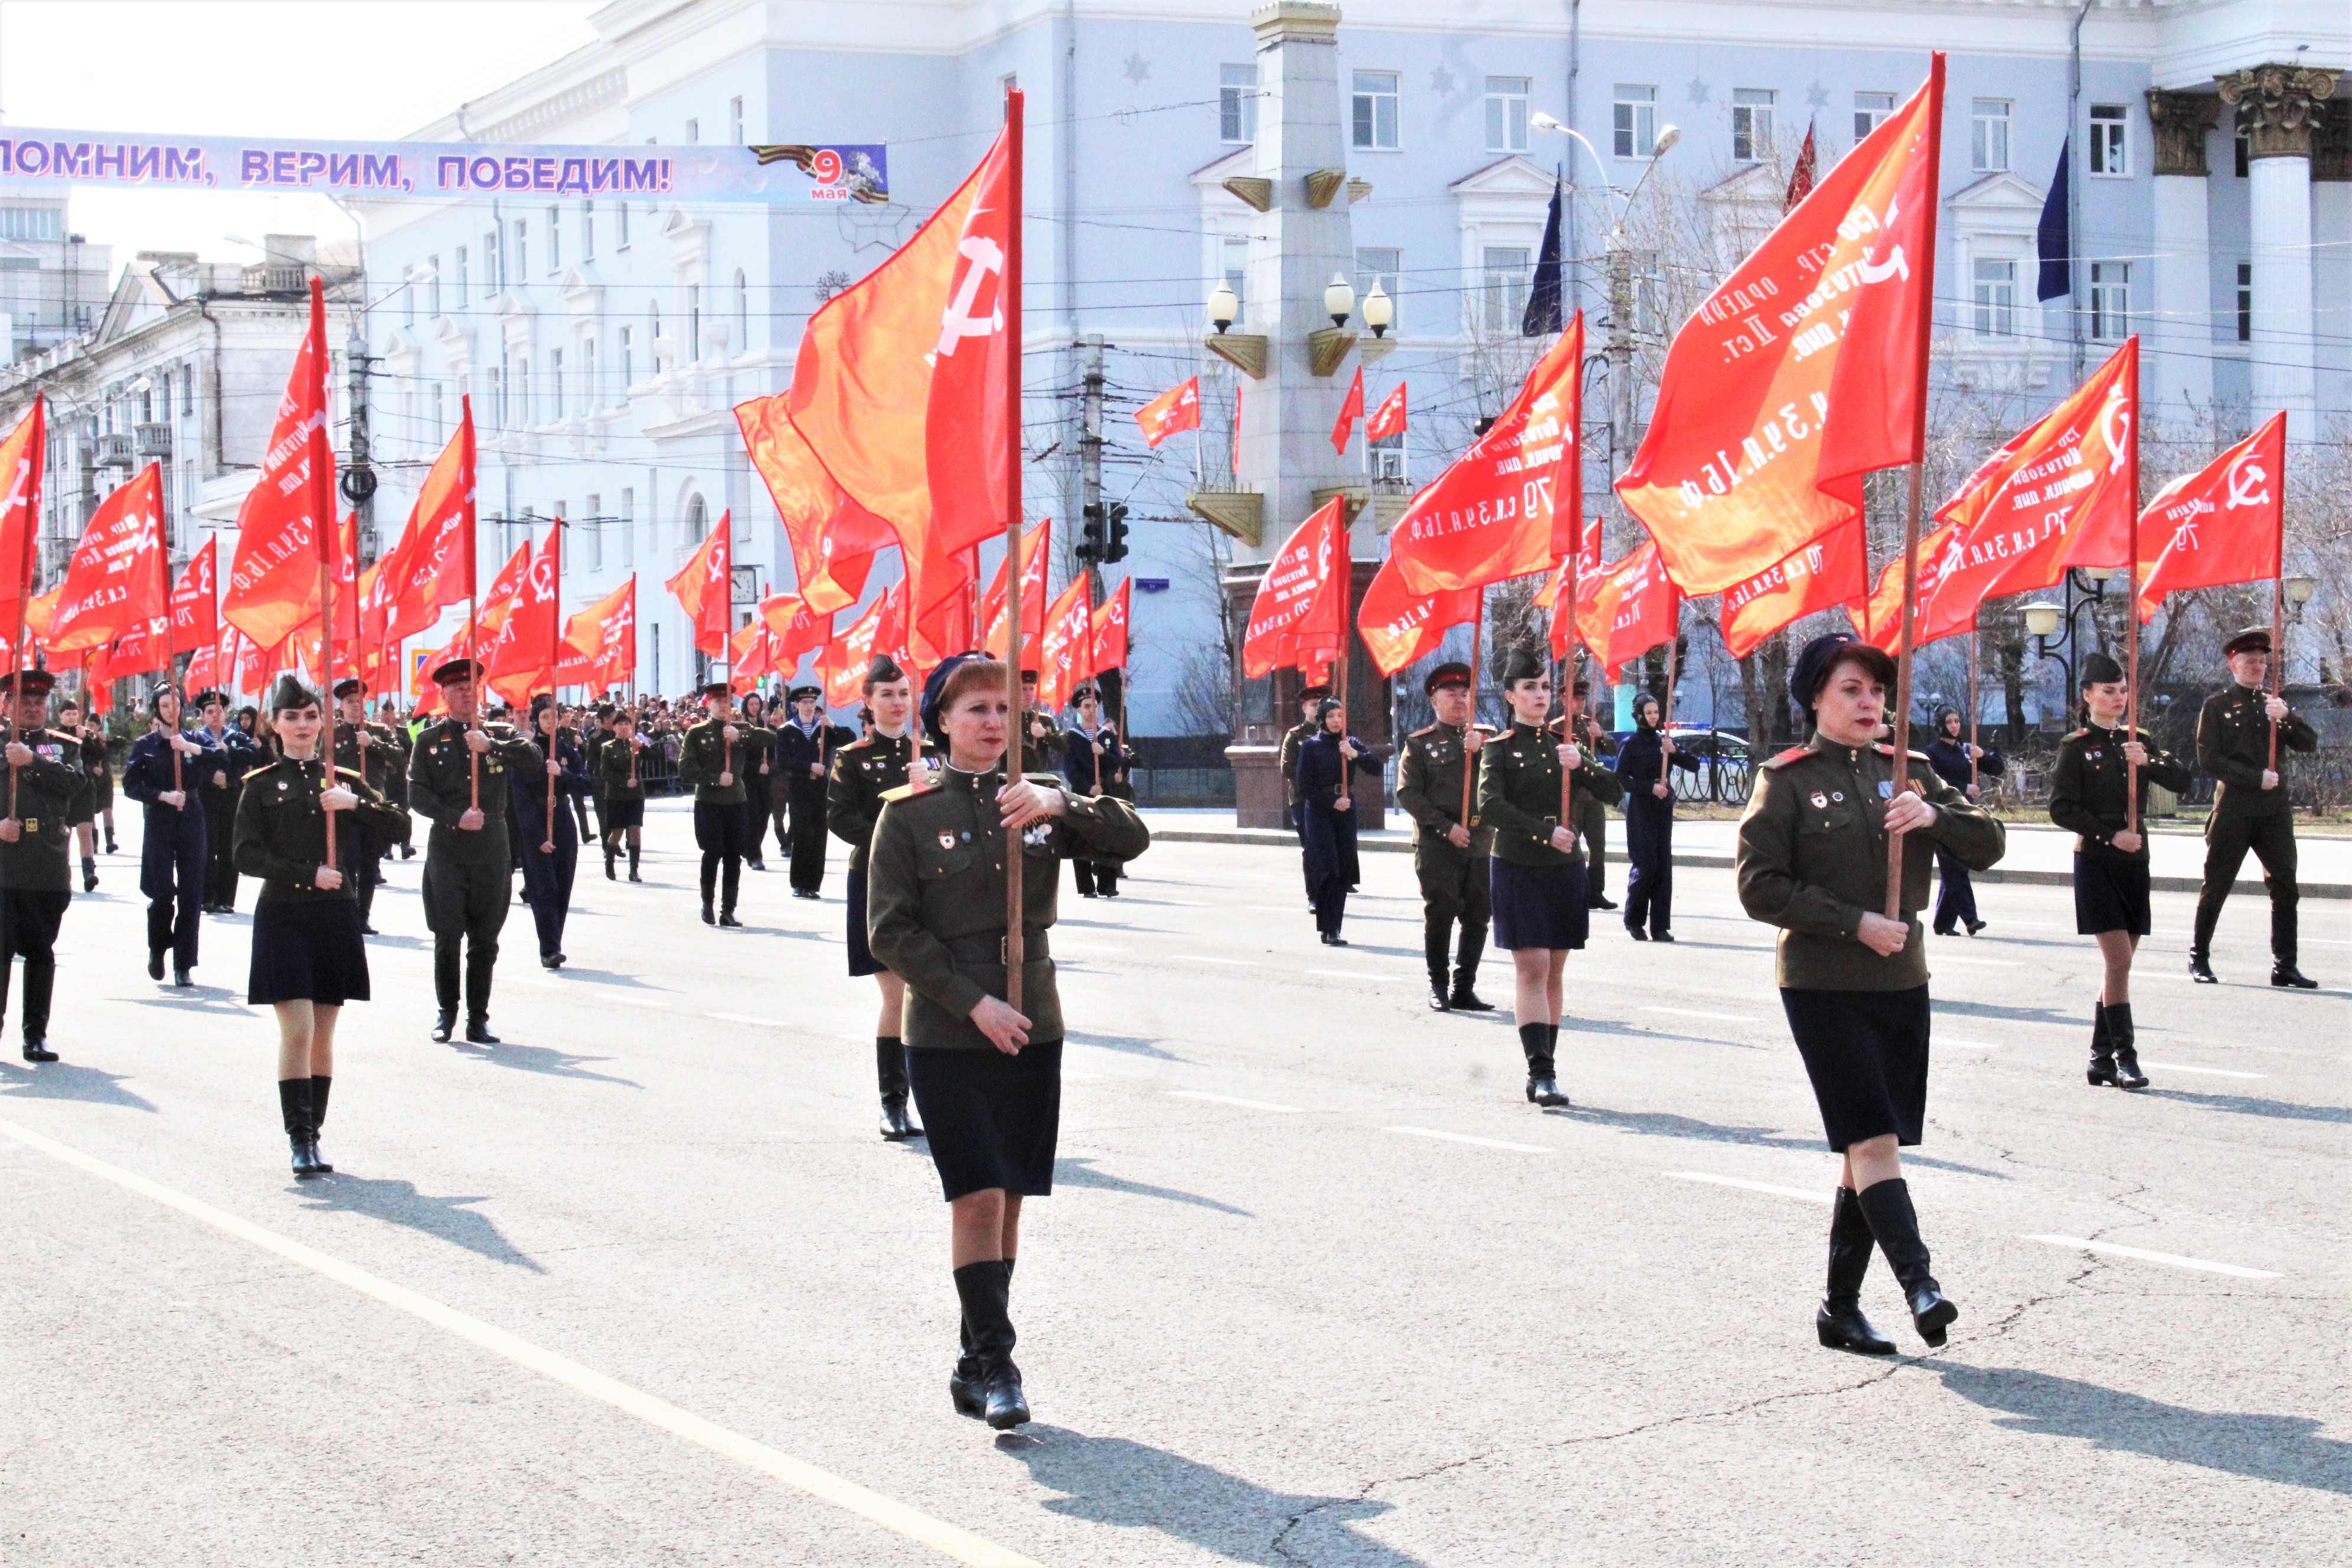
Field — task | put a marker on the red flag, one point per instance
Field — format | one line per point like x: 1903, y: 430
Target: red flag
x: 1066, y: 647
x: 899, y: 386
x: 195, y: 627
x: 505, y: 589
x: 1508, y: 506
x: 522, y: 655
x: 1036, y: 548
x: 115, y: 583
x: 832, y: 537
x: 750, y: 655
x: 705, y: 586
x: 1801, y: 178
x: 1351, y: 409
x: 1879, y: 619
x: 600, y: 642
x: 1830, y: 570
x: 1110, y: 627
x: 1178, y: 408
x: 2224, y: 523
x: 945, y: 629
x: 2059, y: 494
x: 435, y: 556
x: 1388, y: 419
x: 1299, y: 617
x: 1567, y: 620
x: 1399, y: 626
x: 844, y: 661
x: 214, y: 662
x: 798, y: 629
x: 1633, y: 608
x: 21, y: 457
x: 1804, y: 370
x: 283, y: 527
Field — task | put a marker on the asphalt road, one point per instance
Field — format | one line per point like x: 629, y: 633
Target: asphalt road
x: 1316, y: 1286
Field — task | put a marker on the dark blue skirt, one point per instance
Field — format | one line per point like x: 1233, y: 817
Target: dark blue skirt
x: 861, y: 956
x: 2111, y: 894
x: 306, y: 951
x: 1867, y: 1054
x: 1540, y: 906
x: 991, y: 1121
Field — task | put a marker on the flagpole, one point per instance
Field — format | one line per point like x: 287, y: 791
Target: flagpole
x: 1567, y: 679
x: 328, y: 535
x: 1015, y: 909
x: 2278, y: 609
x: 1477, y: 625
x: 555, y: 658
x: 25, y: 592
x: 327, y: 673
x: 1974, y: 704
x: 171, y: 648
x: 2131, y: 613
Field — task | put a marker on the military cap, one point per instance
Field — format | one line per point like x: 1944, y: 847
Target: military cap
x: 712, y: 688
x: 797, y: 692
x: 350, y: 686
x: 207, y: 696
x: 31, y: 683
x: 1519, y: 663
x: 292, y: 690
x: 2098, y: 668
x: 457, y: 670
x: 2248, y: 639
x: 1313, y: 693
x: 1456, y: 673
x: 882, y: 668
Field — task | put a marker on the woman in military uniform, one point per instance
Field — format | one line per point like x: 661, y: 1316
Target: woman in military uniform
x: 986, y: 1076
x: 1327, y: 759
x: 548, y: 865
x: 1813, y: 861
x: 712, y: 760
x: 162, y: 774
x: 1963, y: 764
x: 309, y: 959
x: 45, y: 774
x: 863, y: 772
x: 2087, y: 796
x: 1643, y: 768
x: 97, y: 790
x: 1537, y: 876
x: 617, y: 761
x: 759, y: 779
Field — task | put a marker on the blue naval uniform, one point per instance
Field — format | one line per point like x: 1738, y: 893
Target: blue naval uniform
x: 171, y: 857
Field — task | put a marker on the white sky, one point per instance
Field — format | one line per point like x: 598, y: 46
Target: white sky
x: 368, y: 68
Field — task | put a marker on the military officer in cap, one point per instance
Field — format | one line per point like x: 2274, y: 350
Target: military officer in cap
x: 1310, y: 704
x: 712, y: 759
x: 623, y: 791
x: 160, y: 774
x: 395, y: 794
x: 216, y: 785
x: 467, y: 859
x: 1591, y: 823
x: 1450, y: 856
x: 863, y: 773
x: 367, y: 750
x: 2250, y: 810
x: 805, y: 745
x: 97, y: 798
x: 36, y: 868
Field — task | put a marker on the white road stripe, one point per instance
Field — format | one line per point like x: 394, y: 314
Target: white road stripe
x: 888, y: 1512
x: 1202, y: 958
x: 1807, y: 1193
x: 747, y: 1019
x: 1349, y: 973
x: 2173, y: 1258
x: 1465, y: 1138
x: 1230, y: 1099
x: 1695, y: 1013
x: 2208, y: 1072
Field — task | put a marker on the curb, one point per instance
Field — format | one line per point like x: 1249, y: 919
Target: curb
x: 1276, y: 839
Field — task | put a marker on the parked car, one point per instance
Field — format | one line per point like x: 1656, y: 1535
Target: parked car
x: 1723, y: 774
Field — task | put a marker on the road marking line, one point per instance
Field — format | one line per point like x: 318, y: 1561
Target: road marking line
x: 2209, y: 1072
x: 1807, y: 1193
x: 747, y: 1019
x: 1201, y: 957
x: 1230, y: 1099
x: 825, y: 1486
x: 1695, y: 1013
x: 1465, y: 1138
x: 1349, y: 973
x: 2174, y: 1258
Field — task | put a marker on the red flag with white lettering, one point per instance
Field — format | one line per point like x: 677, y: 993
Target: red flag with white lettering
x: 434, y: 557
x: 21, y: 457
x: 283, y: 527
x: 832, y: 539
x: 844, y: 661
x: 705, y: 587
x: 1388, y: 419
x: 798, y: 628
x: 1036, y: 548
x: 1878, y: 620
x: 1567, y: 620
x: 1298, y: 618
x: 601, y: 641
x: 1066, y: 645
x: 1633, y: 608
x: 1399, y: 626
x: 1178, y: 408
x: 521, y: 657
x: 1110, y: 627
x: 2224, y: 523
x: 115, y: 583
x: 1830, y: 570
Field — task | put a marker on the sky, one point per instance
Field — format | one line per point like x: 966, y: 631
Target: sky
x: 368, y: 68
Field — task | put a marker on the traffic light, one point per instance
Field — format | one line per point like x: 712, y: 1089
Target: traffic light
x: 1114, y: 548
x: 1090, y: 541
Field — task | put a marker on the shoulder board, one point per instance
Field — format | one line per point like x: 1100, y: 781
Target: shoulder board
x: 2076, y: 735
x: 1794, y: 753
x: 1053, y: 779
x: 904, y: 792
x: 253, y: 774
x: 1884, y: 750
x: 860, y: 744
x: 1417, y: 734
x: 353, y: 774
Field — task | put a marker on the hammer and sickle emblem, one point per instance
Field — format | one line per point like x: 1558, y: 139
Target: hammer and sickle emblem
x: 957, y: 322
x: 2115, y: 428
x: 2248, y: 479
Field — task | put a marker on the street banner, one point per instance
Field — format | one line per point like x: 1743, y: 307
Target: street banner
x: 705, y: 587
x: 115, y: 583
x: 1351, y: 409
x: 282, y: 526
x: 1509, y: 505
x: 2224, y: 523
x: 767, y: 175
x: 1110, y: 627
x: 1066, y: 647
x: 1801, y: 373
x: 1178, y: 408
x: 832, y: 539
x: 1388, y: 419
x: 1828, y: 571
x: 1399, y: 626
x: 1299, y: 617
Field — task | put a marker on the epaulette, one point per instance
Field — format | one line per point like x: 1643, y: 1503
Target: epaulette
x: 904, y: 792
x: 1792, y: 754
x: 253, y: 774
x: 1884, y: 750
x: 2076, y: 735
x: 353, y: 774
x: 1417, y: 734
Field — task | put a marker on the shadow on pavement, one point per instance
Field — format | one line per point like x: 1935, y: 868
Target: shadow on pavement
x: 2285, y: 1449
x: 2247, y: 1105
x: 1079, y: 1173
x: 542, y: 1060
x: 399, y: 1203
x: 1133, y: 1045
x: 1130, y: 1486
x: 64, y: 1080
x: 1666, y: 1124
x: 1943, y: 1009
x: 414, y: 943
x: 1574, y: 1026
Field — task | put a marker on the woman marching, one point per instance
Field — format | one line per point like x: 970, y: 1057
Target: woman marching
x: 161, y: 775
x: 547, y: 871
x: 619, y: 760
x: 1962, y: 763
x: 1641, y: 768
x: 986, y: 1076
x: 758, y: 777
x: 1812, y: 860
x: 2087, y: 795
x: 309, y: 959
x: 1326, y: 814
x: 1537, y: 876
x: 864, y: 771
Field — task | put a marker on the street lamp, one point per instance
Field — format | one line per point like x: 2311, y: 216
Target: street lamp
x: 1379, y: 310
x: 2298, y: 592
x: 1223, y: 306
x: 2056, y: 635
x: 1338, y: 299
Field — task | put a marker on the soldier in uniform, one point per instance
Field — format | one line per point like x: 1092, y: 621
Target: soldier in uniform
x: 46, y: 773
x: 467, y: 857
x: 759, y: 779
x: 1092, y: 763
x: 1310, y: 698
x: 217, y: 787
x: 591, y: 745
x: 396, y: 794
x: 712, y: 760
x: 366, y: 750
x: 986, y: 1075
x: 863, y: 772
x: 1591, y: 824
x: 548, y: 861
x: 1041, y: 737
x: 1450, y: 854
x: 622, y: 791
x: 1536, y: 878
x: 2087, y: 796
x: 2250, y: 810
x: 97, y: 790
x: 805, y: 746
x: 161, y: 774
x: 1812, y: 860
x: 1328, y: 760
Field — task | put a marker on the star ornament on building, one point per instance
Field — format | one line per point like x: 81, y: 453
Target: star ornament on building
x: 1817, y: 96
x: 1139, y: 69
x: 1700, y: 93
x: 1441, y: 81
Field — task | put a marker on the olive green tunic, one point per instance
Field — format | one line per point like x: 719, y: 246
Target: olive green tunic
x: 2086, y: 788
x: 280, y: 834
x: 2234, y: 746
x: 45, y: 787
x: 1429, y: 788
x: 613, y: 769
x: 707, y: 753
x: 1519, y: 794
x: 440, y: 789
x: 863, y: 773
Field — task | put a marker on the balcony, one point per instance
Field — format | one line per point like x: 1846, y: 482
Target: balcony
x: 153, y: 440
x: 114, y: 450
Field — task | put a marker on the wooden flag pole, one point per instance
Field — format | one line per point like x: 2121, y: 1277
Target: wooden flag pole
x: 1016, y: 906
x: 473, y: 669
x: 1973, y: 706
x: 2278, y: 622
x: 327, y: 673
x: 1477, y: 625
x: 2131, y: 617
x: 1567, y: 682
x: 554, y: 659
x: 171, y: 655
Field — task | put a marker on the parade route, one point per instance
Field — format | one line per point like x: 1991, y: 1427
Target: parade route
x: 640, y: 1285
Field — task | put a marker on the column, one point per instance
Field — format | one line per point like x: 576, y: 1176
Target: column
x: 2177, y: 377
x: 2278, y: 106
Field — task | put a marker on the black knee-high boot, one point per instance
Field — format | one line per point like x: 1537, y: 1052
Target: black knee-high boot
x: 633, y: 864
x: 2103, y: 1048
x: 319, y: 1085
x: 890, y: 1077
x: 967, y: 1390
x: 2127, y: 1044
x: 1535, y: 1043
x: 302, y: 1129
x: 1436, y: 941
x: 1466, y: 999
x: 709, y: 887
x: 608, y: 862
x: 448, y: 961
x: 1887, y: 1206
x: 1840, y: 1322
x: 984, y: 1288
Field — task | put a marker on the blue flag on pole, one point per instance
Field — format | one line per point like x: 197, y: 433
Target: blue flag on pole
x: 1544, y: 313
x: 2052, y: 241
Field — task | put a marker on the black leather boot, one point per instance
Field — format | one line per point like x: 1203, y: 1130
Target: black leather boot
x: 1534, y: 1042
x: 1436, y: 934
x: 2284, y: 973
x: 608, y: 864
x: 633, y: 864
x: 154, y: 963
x: 445, y: 1023
x: 1840, y: 1323
x: 2201, y: 968
x: 477, y: 1030
x: 890, y: 1077
x: 301, y: 1137
x: 1887, y: 1206
x: 967, y: 1389
x: 984, y: 1288
x: 1466, y: 971
x: 2102, y: 1069
x: 36, y: 1049
x: 2127, y: 1045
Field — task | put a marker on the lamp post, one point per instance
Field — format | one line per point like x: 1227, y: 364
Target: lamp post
x: 2056, y: 635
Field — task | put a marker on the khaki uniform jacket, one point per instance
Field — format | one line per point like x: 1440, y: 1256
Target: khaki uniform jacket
x: 1519, y: 794
x: 705, y: 753
x: 1812, y: 860
x: 1429, y: 788
x: 2234, y: 746
x: 383, y: 758
x: 280, y: 834
x: 2086, y: 788
x: 45, y: 787
x: 612, y: 769
x: 863, y: 773
x: 1291, y: 742
x: 440, y: 789
x: 935, y: 898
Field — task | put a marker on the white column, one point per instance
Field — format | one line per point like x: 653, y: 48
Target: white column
x: 2178, y: 383
x: 2284, y: 373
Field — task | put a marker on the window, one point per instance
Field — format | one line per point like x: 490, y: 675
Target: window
x: 653, y: 336
x: 1505, y: 289
x: 490, y: 279
x: 555, y: 383
x: 521, y: 252
x: 592, y: 525
x: 187, y: 392
x: 459, y: 279
x: 694, y: 131
x: 628, y: 357
x: 621, y: 215
x: 1375, y: 112
x: 1996, y: 299
x: 1238, y: 103
x: 2110, y: 300
x: 1988, y: 134
x: 1870, y: 111
x: 408, y: 298
x: 2241, y: 151
x: 521, y: 409
x: 1751, y: 123
x: 1636, y: 127
x: 2245, y: 302
x: 433, y: 283
x: 554, y: 241
x: 433, y: 404
x: 498, y: 395
x: 2110, y: 150
x: 742, y: 313
x: 697, y: 521
x: 591, y: 394
x: 1237, y: 269
x: 735, y: 121
x: 1507, y: 113
x: 1384, y: 266
x: 1386, y: 457
x: 587, y: 231
x: 693, y: 322
x: 628, y: 528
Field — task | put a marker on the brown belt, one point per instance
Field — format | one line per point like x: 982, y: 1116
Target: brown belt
x: 991, y: 949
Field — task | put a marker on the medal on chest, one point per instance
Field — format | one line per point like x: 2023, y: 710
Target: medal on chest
x: 947, y: 840
x: 1820, y: 801
x: 1886, y: 789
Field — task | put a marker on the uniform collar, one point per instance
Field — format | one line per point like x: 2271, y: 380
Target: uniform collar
x: 1850, y: 755
x: 955, y: 778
